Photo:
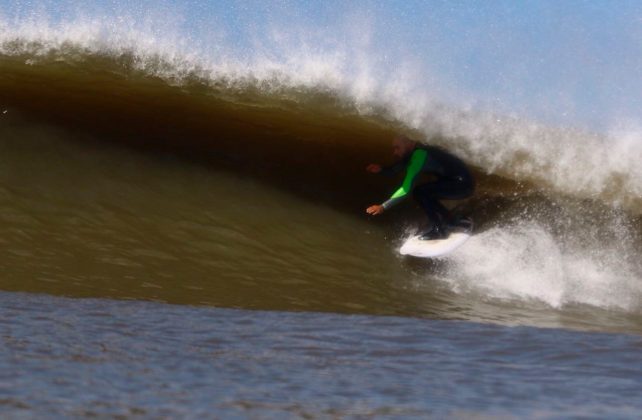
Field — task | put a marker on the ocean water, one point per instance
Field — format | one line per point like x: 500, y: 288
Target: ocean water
x: 102, y: 358
x: 182, y: 195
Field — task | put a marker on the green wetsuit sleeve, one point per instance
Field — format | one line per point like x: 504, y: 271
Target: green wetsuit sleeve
x: 417, y: 161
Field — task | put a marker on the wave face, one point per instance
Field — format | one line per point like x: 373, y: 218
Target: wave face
x: 558, y: 209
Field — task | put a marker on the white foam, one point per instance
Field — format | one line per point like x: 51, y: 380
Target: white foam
x: 525, y: 262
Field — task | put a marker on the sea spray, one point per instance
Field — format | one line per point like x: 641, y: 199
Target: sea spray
x: 524, y: 261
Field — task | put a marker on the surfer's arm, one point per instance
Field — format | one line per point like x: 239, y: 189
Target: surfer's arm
x: 414, y: 168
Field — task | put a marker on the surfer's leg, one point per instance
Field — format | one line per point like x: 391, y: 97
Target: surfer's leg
x: 429, y: 194
x: 437, y: 214
x: 456, y: 189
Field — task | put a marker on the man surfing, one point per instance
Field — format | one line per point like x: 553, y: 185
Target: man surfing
x: 451, y: 181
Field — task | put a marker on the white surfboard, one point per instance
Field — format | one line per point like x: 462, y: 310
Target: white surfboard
x: 437, y: 247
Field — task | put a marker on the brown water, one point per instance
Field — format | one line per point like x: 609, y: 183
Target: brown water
x: 115, y: 183
x: 86, y: 219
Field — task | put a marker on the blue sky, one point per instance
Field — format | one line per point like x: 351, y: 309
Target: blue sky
x: 564, y: 62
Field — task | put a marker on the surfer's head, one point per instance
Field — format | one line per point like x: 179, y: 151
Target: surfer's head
x: 402, y: 145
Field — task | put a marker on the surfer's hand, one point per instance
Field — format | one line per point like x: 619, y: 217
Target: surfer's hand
x: 375, y: 209
x: 373, y: 168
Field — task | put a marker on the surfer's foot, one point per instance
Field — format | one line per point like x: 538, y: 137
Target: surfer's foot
x: 435, y: 233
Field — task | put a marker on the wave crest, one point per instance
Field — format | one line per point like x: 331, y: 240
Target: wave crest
x: 566, y: 160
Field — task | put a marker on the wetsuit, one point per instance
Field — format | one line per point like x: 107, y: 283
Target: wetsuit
x: 453, y: 181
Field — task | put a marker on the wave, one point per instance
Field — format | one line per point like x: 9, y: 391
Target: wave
x: 558, y: 208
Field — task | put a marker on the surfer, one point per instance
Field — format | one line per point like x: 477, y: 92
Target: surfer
x: 451, y: 181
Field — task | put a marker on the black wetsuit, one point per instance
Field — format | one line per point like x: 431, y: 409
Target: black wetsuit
x: 452, y: 181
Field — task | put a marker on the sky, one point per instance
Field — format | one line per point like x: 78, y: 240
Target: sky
x: 561, y: 62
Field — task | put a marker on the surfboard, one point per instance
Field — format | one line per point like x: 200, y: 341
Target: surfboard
x: 416, y: 247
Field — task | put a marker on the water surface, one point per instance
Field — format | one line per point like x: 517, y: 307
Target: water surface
x: 67, y: 357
